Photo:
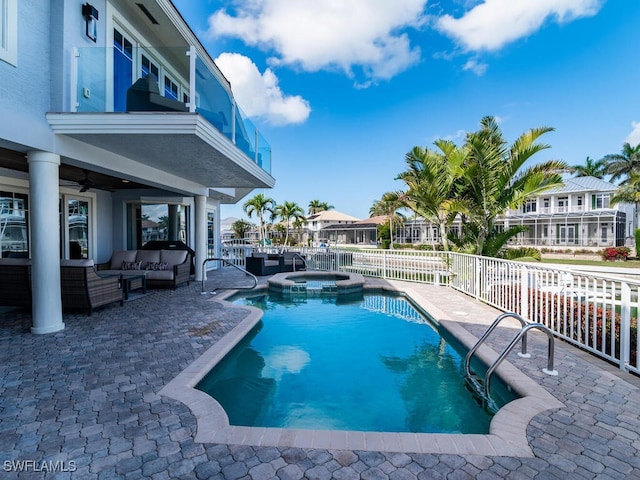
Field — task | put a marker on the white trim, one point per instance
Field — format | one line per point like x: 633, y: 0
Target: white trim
x: 9, y: 31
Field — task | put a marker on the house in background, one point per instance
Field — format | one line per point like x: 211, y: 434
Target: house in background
x: 578, y: 214
x: 318, y: 221
x: 112, y: 113
x: 363, y: 232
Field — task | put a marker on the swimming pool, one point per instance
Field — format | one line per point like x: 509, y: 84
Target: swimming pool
x: 365, y: 362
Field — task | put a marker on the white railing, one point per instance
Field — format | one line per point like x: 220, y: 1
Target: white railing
x: 596, y: 312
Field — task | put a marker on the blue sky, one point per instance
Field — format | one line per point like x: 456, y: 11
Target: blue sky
x: 343, y: 89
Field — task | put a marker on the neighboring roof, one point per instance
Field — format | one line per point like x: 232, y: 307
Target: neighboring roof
x: 331, y: 216
x: 582, y: 184
x: 379, y: 220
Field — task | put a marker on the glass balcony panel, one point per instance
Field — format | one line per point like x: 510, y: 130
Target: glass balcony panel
x: 105, y: 75
x: 212, y: 100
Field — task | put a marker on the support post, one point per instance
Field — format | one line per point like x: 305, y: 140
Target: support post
x: 45, y: 242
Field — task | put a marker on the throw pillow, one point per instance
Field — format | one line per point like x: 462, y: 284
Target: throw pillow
x: 131, y: 265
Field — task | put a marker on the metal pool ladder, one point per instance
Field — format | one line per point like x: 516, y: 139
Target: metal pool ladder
x: 226, y: 261
x: 522, y: 335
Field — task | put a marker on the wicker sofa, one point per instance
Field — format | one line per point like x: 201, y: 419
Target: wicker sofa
x: 83, y: 289
x: 261, y: 264
x: 15, y: 282
x: 162, y: 268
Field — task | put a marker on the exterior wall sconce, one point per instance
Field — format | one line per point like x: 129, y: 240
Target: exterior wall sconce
x: 90, y: 15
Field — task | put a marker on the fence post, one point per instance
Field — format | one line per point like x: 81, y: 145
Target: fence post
x: 384, y: 264
x: 476, y: 276
x: 625, y: 326
x: 524, y: 292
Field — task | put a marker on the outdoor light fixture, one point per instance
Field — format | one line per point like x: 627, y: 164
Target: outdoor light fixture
x: 90, y: 15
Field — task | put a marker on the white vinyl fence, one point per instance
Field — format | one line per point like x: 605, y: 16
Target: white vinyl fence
x: 595, y: 312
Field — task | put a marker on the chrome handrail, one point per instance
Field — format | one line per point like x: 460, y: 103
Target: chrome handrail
x: 521, y: 334
x: 304, y: 261
x: 226, y: 261
x: 523, y: 322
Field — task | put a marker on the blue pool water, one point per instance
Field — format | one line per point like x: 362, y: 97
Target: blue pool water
x: 364, y: 362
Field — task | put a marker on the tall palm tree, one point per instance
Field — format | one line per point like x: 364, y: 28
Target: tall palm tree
x: 432, y: 178
x: 620, y: 165
x: 388, y: 206
x: 286, y: 212
x: 260, y: 205
x: 316, y: 206
x: 494, y: 179
x: 591, y: 168
x: 629, y: 191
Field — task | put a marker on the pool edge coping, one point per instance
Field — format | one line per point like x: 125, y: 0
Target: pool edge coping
x: 507, y: 434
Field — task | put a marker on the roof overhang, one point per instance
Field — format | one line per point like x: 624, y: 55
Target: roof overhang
x: 178, y: 143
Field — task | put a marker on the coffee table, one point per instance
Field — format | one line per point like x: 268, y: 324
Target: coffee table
x: 133, y: 282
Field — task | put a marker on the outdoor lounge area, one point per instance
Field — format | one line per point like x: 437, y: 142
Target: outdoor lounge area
x: 261, y: 264
x: 101, y: 413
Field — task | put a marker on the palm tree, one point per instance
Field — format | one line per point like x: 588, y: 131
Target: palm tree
x: 316, y: 206
x: 493, y: 177
x: 432, y: 178
x: 286, y: 212
x: 591, y: 168
x: 388, y: 206
x: 240, y: 228
x: 621, y: 165
x: 629, y: 191
x: 260, y: 205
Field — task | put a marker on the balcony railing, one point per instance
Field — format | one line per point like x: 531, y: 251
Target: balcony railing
x: 101, y: 77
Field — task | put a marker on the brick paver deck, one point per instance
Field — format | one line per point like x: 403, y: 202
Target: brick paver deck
x: 87, y: 399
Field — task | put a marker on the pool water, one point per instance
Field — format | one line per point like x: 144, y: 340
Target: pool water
x: 363, y: 362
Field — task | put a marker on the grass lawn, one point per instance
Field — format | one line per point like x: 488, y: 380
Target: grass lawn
x: 599, y: 263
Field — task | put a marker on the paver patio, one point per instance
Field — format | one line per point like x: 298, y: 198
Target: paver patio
x: 87, y: 398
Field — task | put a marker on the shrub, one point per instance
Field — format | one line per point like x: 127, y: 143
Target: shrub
x: 637, y: 235
x: 615, y: 253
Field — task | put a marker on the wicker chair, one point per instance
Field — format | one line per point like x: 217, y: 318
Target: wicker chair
x: 15, y: 282
x: 83, y: 289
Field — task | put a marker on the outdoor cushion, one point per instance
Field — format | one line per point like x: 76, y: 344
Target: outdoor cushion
x: 173, y: 257
x: 159, y: 274
x: 15, y: 261
x: 147, y: 256
x: 122, y: 256
x: 76, y: 263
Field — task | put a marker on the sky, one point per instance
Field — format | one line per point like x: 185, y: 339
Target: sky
x: 342, y: 90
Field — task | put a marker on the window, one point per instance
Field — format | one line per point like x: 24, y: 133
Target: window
x: 9, y: 31
x: 77, y: 227
x: 149, y: 68
x: 563, y: 204
x: 170, y: 88
x: 600, y: 200
x: 14, y: 235
x: 162, y: 221
x: 529, y: 206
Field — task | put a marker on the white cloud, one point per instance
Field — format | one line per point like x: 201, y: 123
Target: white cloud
x: 476, y: 67
x: 259, y: 95
x: 633, y: 138
x: 328, y: 34
x: 494, y: 23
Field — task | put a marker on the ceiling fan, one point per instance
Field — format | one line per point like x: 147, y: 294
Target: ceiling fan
x: 87, y: 183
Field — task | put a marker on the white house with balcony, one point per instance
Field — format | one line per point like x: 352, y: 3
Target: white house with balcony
x: 578, y: 214
x: 113, y: 111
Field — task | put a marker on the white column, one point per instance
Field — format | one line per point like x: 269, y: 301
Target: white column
x: 201, y: 235
x: 45, y: 242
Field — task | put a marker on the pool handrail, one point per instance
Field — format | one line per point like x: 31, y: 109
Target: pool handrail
x: 226, y: 261
x: 523, y: 353
x: 549, y: 370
